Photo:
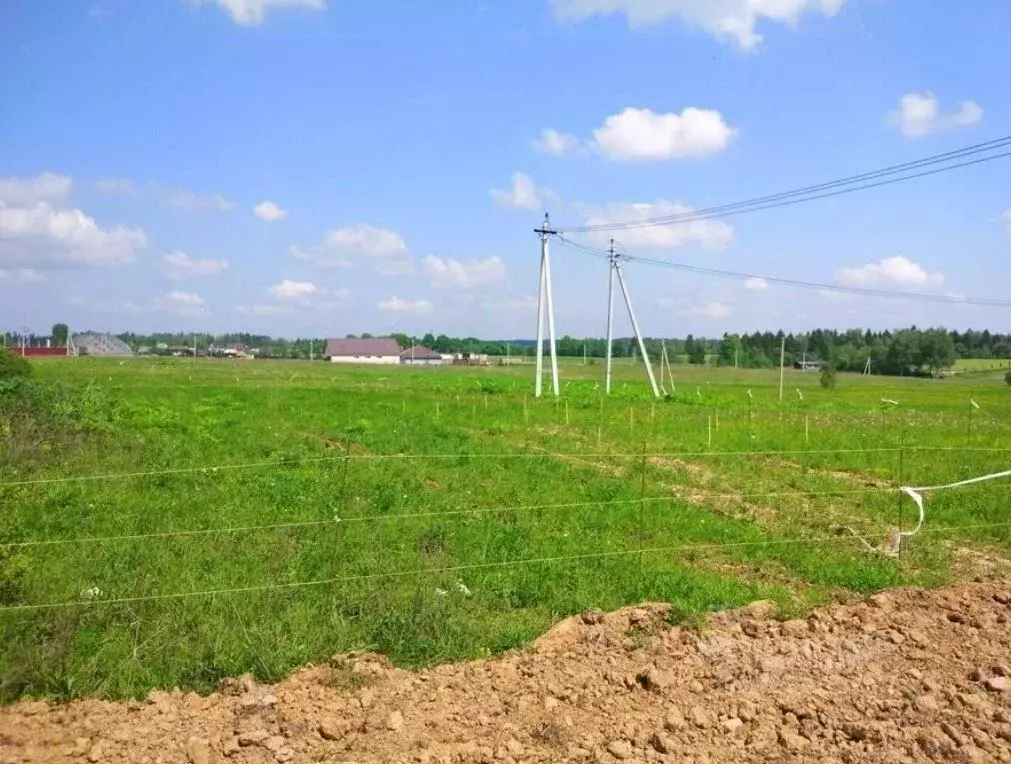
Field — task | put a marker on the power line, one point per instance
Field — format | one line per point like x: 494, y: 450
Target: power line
x: 819, y: 191
x: 866, y: 291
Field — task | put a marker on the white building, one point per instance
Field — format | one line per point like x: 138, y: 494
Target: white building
x: 420, y: 356
x: 375, y: 351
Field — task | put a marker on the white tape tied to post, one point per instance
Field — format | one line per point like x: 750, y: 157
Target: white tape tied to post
x: 916, y: 494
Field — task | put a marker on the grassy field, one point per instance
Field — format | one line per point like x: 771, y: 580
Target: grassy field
x: 186, y: 520
x: 982, y: 364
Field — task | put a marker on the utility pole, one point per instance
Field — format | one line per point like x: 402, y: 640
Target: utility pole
x: 614, y: 258
x: 544, y: 301
x: 782, y: 361
x: 610, y: 316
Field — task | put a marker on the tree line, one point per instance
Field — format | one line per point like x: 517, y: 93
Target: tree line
x: 903, y: 351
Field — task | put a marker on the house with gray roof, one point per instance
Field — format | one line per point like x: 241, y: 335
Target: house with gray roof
x: 366, y: 350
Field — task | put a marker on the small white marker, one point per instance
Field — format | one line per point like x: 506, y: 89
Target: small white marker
x: 889, y: 400
x: 697, y: 390
x: 974, y: 404
x: 749, y: 393
x: 800, y: 394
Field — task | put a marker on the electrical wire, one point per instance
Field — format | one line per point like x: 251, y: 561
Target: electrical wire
x: 819, y: 191
x: 840, y: 288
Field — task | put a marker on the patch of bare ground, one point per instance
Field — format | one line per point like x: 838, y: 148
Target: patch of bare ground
x: 908, y: 676
x: 853, y: 478
x: 705, y: 488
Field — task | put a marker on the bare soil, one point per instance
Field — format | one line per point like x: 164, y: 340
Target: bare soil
x: 908, y: 676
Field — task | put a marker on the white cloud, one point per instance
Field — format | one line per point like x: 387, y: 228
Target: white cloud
x: 897, y: 270
x: 265, y: 309
x: 253, y: 12
x: 522, y: 193
x: 711, y: 234
x: 714, y: 309
x: 288, y: 295
x: 555, y: 142
x: 640, y: 135
x: 21, y: 276
x: 23, y: 192
x: 396, y: 305
x: 179, y: 265
x: 293, y: 290
x: 920, y: 114
x: 756, y: 284
x: 269, y: 212
x: 113, y: 186
x: 734, y: 20
x: 189, y: 201
x: 446, y: 272
x: 343, y: 247
x: 521, y: 303
x: 44, y: 235
x: 184, y: 304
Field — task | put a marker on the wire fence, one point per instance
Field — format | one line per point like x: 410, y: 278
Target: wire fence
x: 414, y: 572
x: 209, y: 469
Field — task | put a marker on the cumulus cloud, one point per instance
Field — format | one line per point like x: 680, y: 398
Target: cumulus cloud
x: 734, y: 20
x: 113, y: 186
x: 185, y: 304
x: 24, y: 192
x: 446, y: 272
x: 269, y: 212
x: 385, y: 250
x: 293, y: 290
x: 36, y: 230
x: 265, y: 309
x: 397, y: 305
x: 190, y: 201
x: 522, y: 193
x: 21, y: 276
x: 253, y: 12
x: 714, y: 309
x: 520, y: 303
x: 756, y: 284
x: 288, y: 297
x: 179, y: 265
x: 920, y: 114
x: 711, y: 234
x: 641, y: 135
x: 555, y: 142
x: 898, y: 270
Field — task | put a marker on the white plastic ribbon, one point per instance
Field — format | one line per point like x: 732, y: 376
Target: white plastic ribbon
x: 916, y: 494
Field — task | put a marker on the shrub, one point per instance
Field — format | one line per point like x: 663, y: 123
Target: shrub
x: 827, y: 380
x: 1007, y: 377
x: 13, y: 366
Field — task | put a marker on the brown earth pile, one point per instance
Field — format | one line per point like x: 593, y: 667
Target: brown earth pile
x: 908, y: 676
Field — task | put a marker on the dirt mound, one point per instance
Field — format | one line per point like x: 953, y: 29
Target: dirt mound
x: 908, y: 676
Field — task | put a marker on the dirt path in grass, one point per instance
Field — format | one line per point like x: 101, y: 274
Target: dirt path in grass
x: 908, y: 676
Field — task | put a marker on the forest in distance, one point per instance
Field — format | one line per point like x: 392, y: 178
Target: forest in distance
x: 898, y: 352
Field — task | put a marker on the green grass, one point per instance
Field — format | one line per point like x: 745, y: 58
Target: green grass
x: 982, y: 364
x: 401, y: 489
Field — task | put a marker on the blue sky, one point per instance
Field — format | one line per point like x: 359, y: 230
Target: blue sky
x: 332, y: 166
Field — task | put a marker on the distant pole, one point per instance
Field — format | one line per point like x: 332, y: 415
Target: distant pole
x: 544, y: 301
x: 610, y: 319
x: 782, y: 363
x: 310, y: 349
x: 584, y: 354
